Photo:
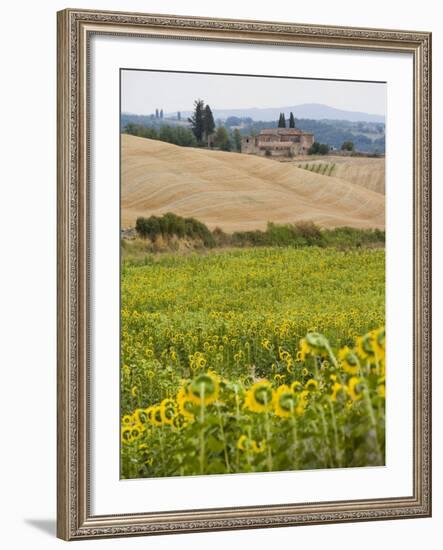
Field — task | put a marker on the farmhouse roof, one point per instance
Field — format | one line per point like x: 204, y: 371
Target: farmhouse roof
x: 281, y: 131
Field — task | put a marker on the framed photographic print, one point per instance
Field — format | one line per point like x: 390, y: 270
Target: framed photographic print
x: 243, y: 274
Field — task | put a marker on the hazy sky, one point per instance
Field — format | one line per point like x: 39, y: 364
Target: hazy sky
x: 144, y: 91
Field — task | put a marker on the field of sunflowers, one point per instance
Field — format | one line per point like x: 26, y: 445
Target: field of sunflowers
x: 251, y: 360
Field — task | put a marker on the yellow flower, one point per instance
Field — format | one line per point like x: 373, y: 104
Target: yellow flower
x: 355, y: 387
x: 179, y: 421
x: 246, y: 444
x: 258, y: 448
x: 304, y: 350
x: 365, y: 346
x: 185, y: 404
x: 303, y: 400
x: 136, y: 431
x: 206, y: 386
x: 311, y: 385
x: 141, y: 415
x: 285, y: 402
x: 156, y: 416
x: 349, y: 360
x: 316, y: 343
x: 126, y: 435
x: 266, y: 344
x: 381, y: 391
x: 128, y: 419
x: 242, y: 442
x: 168, y: 410
x: 134, y: 391
x: 379, y: 343
x: 260, y: 397
x: 296, y: 386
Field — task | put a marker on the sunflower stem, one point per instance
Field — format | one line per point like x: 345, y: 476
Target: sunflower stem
x: 268, y: 439
x: 338, y: 453
x: 373, y: 421
x: 225, y: 446
x: 294, y: 438
x: 202, y: 432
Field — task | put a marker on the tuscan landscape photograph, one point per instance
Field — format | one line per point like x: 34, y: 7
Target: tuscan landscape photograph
x: 252, y: 274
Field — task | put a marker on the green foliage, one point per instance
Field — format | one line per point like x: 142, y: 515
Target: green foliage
x: 347, y: 146
x: 236, y: 138
x: 297, y: 235
x: 282, y: 121
x: 318, y: 149
x: 170, y: 225
x: 170, y: 134
x: 243, y: 324
x: 197, y: 120
x: 291, y: 120
x: 208, y: 122
x: 221, y: 139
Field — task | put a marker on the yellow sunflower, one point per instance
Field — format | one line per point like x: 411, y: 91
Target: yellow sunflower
x: 365, y: 346
x: 168, y: 409
x: 126, y: 435
x: 156, y: 416
x: 285, y: 402
x: 141, y: 415
x: 355, y: 387
x: 317, y: 344
x: 128, y: 419
x: 206, y: 387
x: 349, y: 360
x: 260, y: 397
x: 311, y: 385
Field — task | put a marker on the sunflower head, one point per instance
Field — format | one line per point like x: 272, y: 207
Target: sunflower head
x: 356, y: 387
x: 379, y: 343
x: 128, y: 419
x: 137, y: 430
x: 185, y: 404
x: 311, y: 385
x: 285, y: 402
x: 156, y: 416
x: 179, y: 421
x: 349, y: 360
x: 317, y: 343
x: 126, y: 435
x: 365, y: 346
x: 296, y: 386
x: 168, y: 409
x: 204, y: 387
x: 241, y: 443
x: 141, y: 416
x: 260, y: 397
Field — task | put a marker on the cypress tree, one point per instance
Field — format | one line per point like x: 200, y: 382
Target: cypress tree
x: 282, y: 121
x: 196, y: 120
x: 291, y: 121
x: 208, y: 123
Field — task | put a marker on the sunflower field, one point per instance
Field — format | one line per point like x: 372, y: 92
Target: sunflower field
x: 252, y: 360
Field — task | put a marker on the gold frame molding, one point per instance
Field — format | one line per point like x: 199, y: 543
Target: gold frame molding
x: 75, y: 28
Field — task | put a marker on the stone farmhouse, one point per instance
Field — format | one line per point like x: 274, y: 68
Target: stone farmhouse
x: 278, y: 142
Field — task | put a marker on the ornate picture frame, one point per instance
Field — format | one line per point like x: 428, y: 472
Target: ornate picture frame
x: 74, y: 517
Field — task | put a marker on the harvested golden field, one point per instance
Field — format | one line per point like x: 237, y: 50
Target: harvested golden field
x: 366, y: 172
x: 237, y: 192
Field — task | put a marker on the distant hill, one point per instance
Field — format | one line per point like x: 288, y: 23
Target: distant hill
x: 235, y: 191
x: 313, y: 111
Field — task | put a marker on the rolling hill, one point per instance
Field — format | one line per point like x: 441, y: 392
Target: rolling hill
x: 235, y: 191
